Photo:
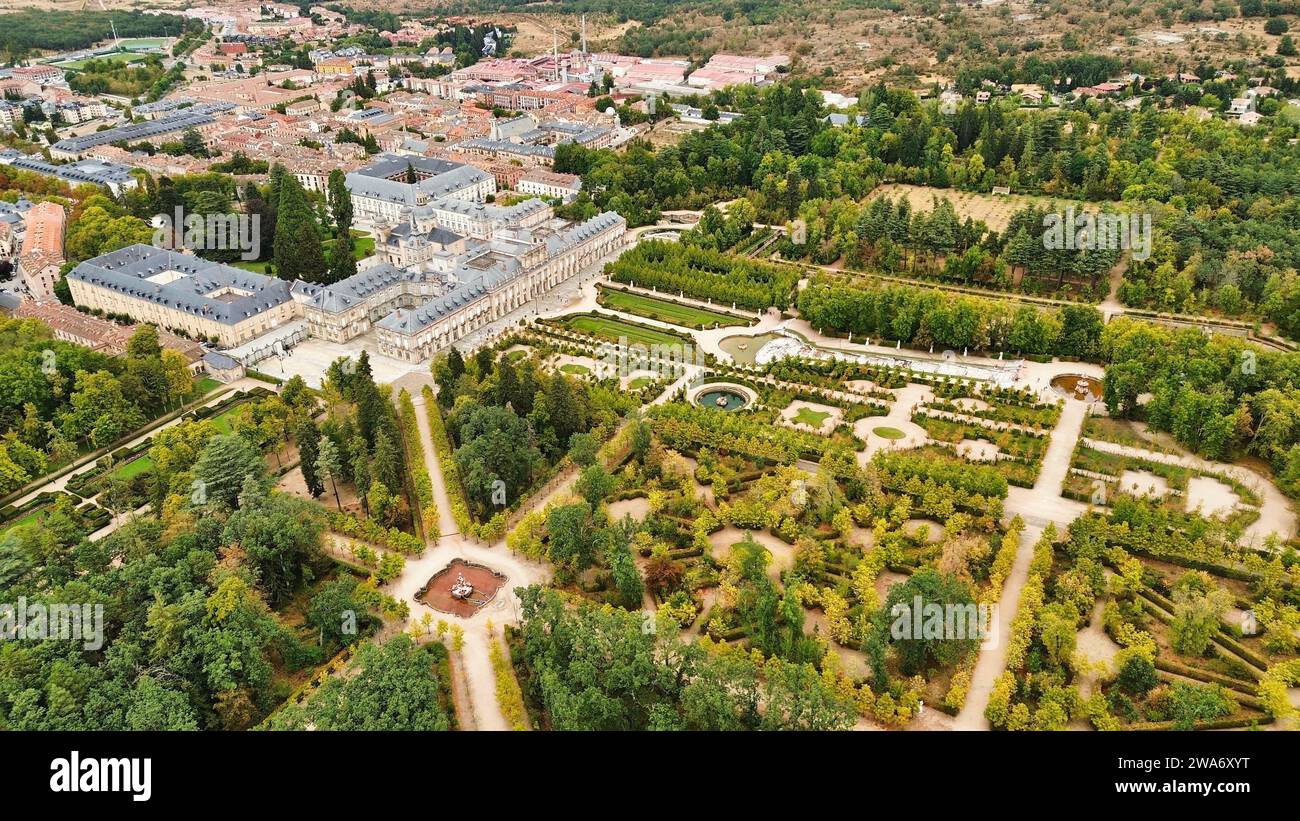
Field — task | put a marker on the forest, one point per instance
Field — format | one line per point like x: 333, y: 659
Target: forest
x: 58, y: 399
x: 1218, y: 395
x: 1226, y: 229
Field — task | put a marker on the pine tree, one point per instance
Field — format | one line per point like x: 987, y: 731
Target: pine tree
x: 298, y: 252
x: 329, y: 466
x: 308, y: 437
x: 340, y: 203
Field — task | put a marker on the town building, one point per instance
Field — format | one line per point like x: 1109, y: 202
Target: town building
x: 42, y: 252
x: 543, y: 183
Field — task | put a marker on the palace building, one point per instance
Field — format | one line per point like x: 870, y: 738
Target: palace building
x: 446, y: 263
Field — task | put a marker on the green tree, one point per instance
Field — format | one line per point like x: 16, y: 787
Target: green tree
x: 298, y: 252
x: 308, y: 438
x: 224, y: 464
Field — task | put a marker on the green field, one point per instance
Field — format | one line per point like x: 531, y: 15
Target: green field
x: 134, y: 468
x: 205, y: 385
x: 664, y: 310
x: 28, y: 519
x: 224, y: 421
x: 888, y: 433
x: 810, y: 417
x: 639, y: 383
x: 115, y: 57
x: 614, y: 330
x: 576, y: 370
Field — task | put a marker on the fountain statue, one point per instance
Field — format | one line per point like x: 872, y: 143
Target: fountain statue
x: 461, y: 588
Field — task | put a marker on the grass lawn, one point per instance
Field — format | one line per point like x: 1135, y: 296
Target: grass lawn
x: 28, y: 519
x: 205, y: 385
x: 614, y: 330
x: 665, y: 310
x: 575, y: 369
x: 888, y: 433
x: 223, y: 421
x: 516, y: 356
x: 115, y: 57
x: 134, y: 468
x: 812, y: 418
x: 639, y: 383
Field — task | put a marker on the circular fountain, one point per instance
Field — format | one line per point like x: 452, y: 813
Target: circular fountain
x: 723, y: 397
x: 1076, y: 386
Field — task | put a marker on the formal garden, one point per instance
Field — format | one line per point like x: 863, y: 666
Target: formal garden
x: 1139, y: 618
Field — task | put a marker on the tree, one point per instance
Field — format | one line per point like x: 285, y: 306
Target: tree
x: 329, y: 466
x: 343, y: 261
x: 583, y: 448
x: 298, y: 252
x: 340, y: 203
x: 387, y: 462
x: 1199, y: 605
x: 389, y: 686
x: 594, y: 484
x: 308, y: 438
x: 154, y: 706
x: 1058, y: 627
x: 176, y: 376
x: 224, y: 464
x: 280, y: 535
x: 497, y: 447
x: 1137, y: 676
x: 334, y: 612
x: 912, y: 631
x: 381, y: 502
x: 569, y: 528
x: 99, y: 410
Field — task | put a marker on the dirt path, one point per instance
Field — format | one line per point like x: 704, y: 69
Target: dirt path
x: 446, y: 522
x: 1037, y: 507
x: 473, y: 660
x: 1275, y: 512
x: 993, y: 655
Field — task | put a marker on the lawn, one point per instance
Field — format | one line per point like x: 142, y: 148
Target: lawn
x: 205, y: 385
x: 134, y: 468
x: 115, y: 57
x: 615, y: 331
x: 664, y: 310
x: 812, y: 418
x: 888, y: 433
x: 639, y: 383
x: 28, y: 519
x: 223, y: 421
x: 576, y: 370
